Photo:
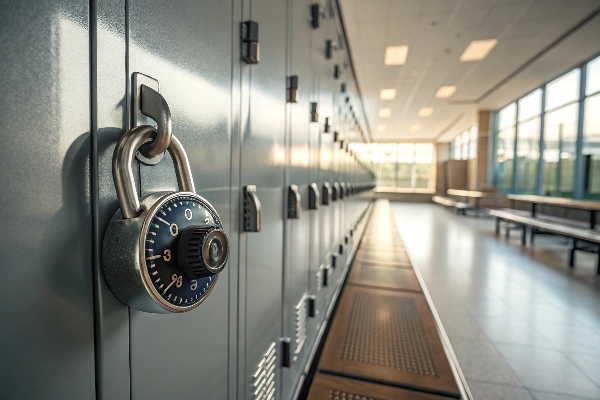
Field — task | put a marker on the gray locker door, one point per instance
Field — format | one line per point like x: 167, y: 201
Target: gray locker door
x: 46, y: 299
x: 296, y: 266
x: 183, y: 355
x: 263, y: 164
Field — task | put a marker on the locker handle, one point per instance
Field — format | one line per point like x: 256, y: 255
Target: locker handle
x: 335, y: 191
x: 313, y: 197
x: 251, y: 209
x: 326, y: 193
x: 342, y: 190
x: 293, y: 202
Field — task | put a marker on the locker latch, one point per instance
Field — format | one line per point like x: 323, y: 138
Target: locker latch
x: 313, y: 197
x: 336, y: 136
x: 312, y: 306
x: 329, y: 49
x: 315, y: 15
x: 293, y: 202
x: 326, y: 193
x: 286, y: 352
x: 293, y: 90
x: 314, y: 115
x: 250, y: 45
x: 251, y: 209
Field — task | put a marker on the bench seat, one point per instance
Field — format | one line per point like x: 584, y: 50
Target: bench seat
x: 555, y: 226
x: 448, y: 202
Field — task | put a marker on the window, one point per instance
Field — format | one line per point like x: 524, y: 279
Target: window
x: 593, y: 77
x: 528, y: 153
x: 464, y: 145
x: 505, y: 157
x: 591, y: 148
x: 560, y: 137
x: 403, y: 166
x: 563, y: 90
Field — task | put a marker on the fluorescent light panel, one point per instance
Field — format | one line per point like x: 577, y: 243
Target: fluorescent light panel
x: 445, y: 92
x: 415, y: 127
x: 381, y: 127
x: 385, y: 112
x: 387, y: 94
x: 425, y: 112
x: 395, y: 55
x: 478, y: 50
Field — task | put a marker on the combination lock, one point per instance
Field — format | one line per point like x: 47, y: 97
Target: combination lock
x: 164, y: 253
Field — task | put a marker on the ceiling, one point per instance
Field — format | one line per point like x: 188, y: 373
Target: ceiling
x: 537, y: 41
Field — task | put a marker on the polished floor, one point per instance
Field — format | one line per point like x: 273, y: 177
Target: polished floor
x: 521, y: 323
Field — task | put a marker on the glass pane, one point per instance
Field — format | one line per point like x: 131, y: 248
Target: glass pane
x: 530, y: 105
x: 505, y: 156
x: 385, y: 175
x: 560, y: 135
x: 591, y: 148
x: 457, y: 148
x: 423, y: 161
x: 404, y: 178
x: 593, y: 76
x: 507, y: 116
x: 528, y: 153
x: 563, y: 90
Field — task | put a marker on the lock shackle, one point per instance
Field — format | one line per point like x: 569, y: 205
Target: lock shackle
x: 123, y: 157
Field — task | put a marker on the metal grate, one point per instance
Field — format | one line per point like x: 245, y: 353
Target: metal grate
x: 301, y: 319
x: 387, y: 332
x: 263, y: 380
x: 339, y: 395
x: 397, y: 276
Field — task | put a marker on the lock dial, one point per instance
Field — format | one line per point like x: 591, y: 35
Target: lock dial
x: 183, y: 250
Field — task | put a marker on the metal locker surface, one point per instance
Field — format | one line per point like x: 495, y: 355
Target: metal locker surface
x: 262, y: 163
x: 46, y: 299
x: 187, y: 49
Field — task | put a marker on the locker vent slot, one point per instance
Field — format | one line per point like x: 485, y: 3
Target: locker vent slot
x: 397, y: 276
x: 263, y: 380
x: 339, y: 395
x: 301, y: 318
x: 400, y: 344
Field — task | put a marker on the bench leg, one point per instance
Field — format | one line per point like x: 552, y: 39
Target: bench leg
x: 598, y: 262
x: 531, y: 236
x: 507, y: 232
x: 572, y: 254
x: 524, y: 237
x: 498, y: 226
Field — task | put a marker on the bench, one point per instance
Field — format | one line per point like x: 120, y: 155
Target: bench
x: 450, y: 203
x: 584, y: 239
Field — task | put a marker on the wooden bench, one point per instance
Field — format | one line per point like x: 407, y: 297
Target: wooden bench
x: 584, y: 239
x: 451, y: 203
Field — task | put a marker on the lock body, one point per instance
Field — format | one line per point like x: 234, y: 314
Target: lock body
x: 141, y: 255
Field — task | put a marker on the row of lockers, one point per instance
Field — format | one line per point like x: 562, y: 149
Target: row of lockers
x: 67, y: 68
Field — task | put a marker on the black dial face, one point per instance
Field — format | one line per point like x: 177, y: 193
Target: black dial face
x: 165, y: 225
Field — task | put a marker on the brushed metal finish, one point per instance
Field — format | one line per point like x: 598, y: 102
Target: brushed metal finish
x: 46, y: 300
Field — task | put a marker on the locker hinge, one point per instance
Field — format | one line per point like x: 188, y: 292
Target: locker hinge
x: 327, y: 127
x: 286, y: 352
x: 341, y: 249
x: 336, y: 136
x: 333, y: 262
x: 336, y: 71
x: 293, y: 90
x: 343, y: 88
x: 316, y: 13
x: 250, y: 45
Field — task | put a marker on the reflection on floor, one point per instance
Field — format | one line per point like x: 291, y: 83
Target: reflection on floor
x: 522, y: 324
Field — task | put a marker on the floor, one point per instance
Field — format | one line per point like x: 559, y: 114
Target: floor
x: 522, y: 324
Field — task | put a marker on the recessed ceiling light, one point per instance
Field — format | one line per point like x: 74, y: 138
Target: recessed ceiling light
x: 385, y: 112
x: 387, y: 94
x: 395, y: 55
x: 381, y: 127
x: 425, y: 112
x: 445, y: 91
x: 478, y: 50
x: 415, y: 127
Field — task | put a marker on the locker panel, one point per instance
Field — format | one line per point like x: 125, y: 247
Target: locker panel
x: 46, y: 300
x: 297, y: 254
x: 165, y: 42
x: 262, y: 164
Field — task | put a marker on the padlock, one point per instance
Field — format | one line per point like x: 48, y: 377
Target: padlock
x: 164, y: 253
